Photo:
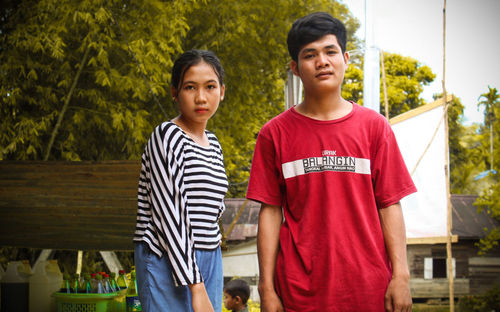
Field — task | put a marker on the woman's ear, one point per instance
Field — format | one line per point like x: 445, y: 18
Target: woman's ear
x: 222, y: 92
x: 174, y: 92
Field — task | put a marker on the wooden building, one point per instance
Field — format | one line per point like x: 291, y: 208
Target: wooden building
x: 474, y: 274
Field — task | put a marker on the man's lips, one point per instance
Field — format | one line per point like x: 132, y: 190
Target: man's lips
x: 324, y: 74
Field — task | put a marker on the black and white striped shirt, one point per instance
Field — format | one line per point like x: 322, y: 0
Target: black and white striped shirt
x: 180, y: 198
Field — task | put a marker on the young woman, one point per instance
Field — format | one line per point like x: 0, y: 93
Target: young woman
x: 181, y: 191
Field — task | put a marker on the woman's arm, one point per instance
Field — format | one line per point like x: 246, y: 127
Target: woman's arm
x: 199, y: 298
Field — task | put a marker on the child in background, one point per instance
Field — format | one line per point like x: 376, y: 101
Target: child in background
x: 236, y: 294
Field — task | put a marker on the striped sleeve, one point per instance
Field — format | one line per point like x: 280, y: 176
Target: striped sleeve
x: 169, y: 203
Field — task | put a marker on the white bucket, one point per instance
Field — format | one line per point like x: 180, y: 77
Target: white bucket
x: 15, y: 287
x: 46, y: 280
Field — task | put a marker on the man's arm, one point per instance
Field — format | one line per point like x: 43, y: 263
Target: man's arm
x: 398, y: 296
x: 270, y: 219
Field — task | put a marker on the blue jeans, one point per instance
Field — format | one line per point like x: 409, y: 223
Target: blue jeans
x: 156, y: 287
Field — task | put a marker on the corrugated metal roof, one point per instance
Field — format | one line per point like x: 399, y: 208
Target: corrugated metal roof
x: 468, y: 223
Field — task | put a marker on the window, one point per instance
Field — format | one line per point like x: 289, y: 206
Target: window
x: 437, y: 268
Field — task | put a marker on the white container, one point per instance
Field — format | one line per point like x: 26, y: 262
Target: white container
x: 2, y: 272
x: 46, y: 280
x: 15, y: 287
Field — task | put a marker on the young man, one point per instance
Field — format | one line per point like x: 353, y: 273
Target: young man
x: 329, y: 176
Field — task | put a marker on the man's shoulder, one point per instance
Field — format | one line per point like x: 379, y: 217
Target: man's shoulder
x: 278, y: 121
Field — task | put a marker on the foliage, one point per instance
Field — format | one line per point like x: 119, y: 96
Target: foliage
x: 490, y: 301
x: 121, y: 94
x: 251, y: 43
x: 111, y: 111
x: 489, y: 199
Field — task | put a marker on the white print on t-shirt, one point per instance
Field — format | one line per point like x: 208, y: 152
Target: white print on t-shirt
x: 326, y: 163
x: 328, y: 153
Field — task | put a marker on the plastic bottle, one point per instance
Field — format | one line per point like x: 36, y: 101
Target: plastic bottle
x: 15, y: 287
x: 82, y: 283
x: 106, y: 283
x: 99, y: 286
x: 46, y: 280
x: 132, y: 297
x: 122, y: 280
x: 65, y: 285
x: 112, y: 281
x: 75, y: 283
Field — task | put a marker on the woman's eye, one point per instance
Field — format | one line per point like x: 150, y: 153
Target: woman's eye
x: 188, y: 87
x: 211, y: 87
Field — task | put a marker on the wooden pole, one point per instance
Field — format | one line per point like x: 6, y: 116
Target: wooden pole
x: 386, y: 102
x: 449, y: 256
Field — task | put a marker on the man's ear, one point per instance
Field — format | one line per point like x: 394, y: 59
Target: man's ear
x: 294, y: 66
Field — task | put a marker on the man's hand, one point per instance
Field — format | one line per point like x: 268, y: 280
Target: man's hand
x: 398, y: 295
x: 269, y: 301
x: 199, y: 298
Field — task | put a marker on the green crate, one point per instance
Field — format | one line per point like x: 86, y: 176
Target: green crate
x: 111, y: 302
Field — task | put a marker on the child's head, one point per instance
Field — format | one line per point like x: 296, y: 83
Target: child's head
x: 236, y: 294
x: 313, y: 27
x: 191, y: 58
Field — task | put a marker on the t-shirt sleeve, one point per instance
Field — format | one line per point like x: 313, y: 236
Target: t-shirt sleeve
x: 169, y: 206
x: 391, y: 179
x: 265, y: 184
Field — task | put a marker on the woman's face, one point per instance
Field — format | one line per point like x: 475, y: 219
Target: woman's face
x: 199, y: 94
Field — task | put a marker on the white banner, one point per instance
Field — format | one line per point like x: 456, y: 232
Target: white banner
x: 425, y: 211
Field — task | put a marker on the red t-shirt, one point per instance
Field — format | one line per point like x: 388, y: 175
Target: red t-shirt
x: 330, y: 177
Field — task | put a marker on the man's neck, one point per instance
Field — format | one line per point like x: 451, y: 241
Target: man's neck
x: 324, y: 107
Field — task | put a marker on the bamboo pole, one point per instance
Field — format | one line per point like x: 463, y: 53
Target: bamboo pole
x: 386, y: 102
x: 449, y: 256
x: 66, y: 103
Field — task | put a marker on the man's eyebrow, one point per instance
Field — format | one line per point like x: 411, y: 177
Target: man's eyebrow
x: 328, y: 47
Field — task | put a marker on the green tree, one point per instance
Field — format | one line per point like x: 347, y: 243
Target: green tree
x: 250, y: 40
x: 405, y: 79
x: 103, y: 69
x: 489, y: 199
x: 74, y: 61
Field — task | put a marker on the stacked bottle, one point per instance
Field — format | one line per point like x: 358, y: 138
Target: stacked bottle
x: 98, y: 283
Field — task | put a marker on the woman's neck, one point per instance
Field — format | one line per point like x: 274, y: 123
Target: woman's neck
x: 195, y: 130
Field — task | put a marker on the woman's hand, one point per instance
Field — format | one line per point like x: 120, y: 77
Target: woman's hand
x: 199, y: 298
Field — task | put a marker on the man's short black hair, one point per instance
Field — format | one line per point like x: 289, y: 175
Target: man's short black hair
x: 238, y: 287
x: 311, y: 28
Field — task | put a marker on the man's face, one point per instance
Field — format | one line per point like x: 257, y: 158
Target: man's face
x: 321, y: 64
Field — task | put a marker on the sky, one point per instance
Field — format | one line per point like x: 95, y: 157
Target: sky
x: 414, y: 28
